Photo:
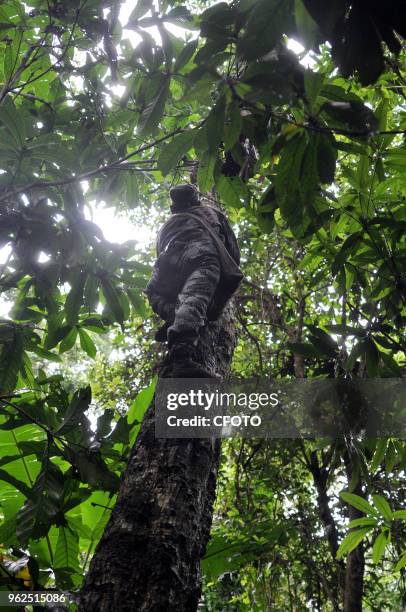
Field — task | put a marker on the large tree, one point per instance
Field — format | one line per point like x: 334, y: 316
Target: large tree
x: 306, y: 152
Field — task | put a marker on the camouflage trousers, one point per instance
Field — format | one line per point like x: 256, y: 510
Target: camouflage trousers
x: 197, y: 266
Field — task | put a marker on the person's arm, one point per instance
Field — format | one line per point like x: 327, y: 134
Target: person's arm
x: 158, y: 302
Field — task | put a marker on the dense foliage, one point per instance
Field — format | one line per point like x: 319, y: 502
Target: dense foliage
x: 306, y: 151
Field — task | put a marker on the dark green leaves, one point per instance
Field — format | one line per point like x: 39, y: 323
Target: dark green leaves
x: 288, y: 176
x: 173, y: 152
x: 326, y: 158
x: 152, y: 113
x: 40, y: 510
x: 87, y: 343
x: 352, y: 116
x: 74, y: 299
x: 266, y: 23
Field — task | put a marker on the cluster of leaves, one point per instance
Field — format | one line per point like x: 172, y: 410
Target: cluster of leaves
x: 65, y: 469
x: 321, y: 206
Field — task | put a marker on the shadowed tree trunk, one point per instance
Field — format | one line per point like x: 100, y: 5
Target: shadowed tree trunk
x: 148, y: 558
x: 354, y: 577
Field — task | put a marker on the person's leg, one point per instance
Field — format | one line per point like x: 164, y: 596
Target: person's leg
x: 194, y: 299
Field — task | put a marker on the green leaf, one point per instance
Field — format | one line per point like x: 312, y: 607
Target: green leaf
x: 54, y: 336
x: 76, y: 409
x: 303, y: 348
x: 401, y: 562
x: 153, y: 112
x: 93, y: 469
x: 141, y: 403
x: 142, y: 7
x: 138, y: 408
x: 185, y: 55
x: 307, y: 28
x: 113, y: 300
x: 173, y: 152
x: 36, y: 516
x: 15, y: 482
x: 265, y: 26
x: 13, y: 120
x: 379, y: 546
x: 372, y: 357
x: 8, y: 532
x: 67, y: 549
x: 362, y: 522
x: 379, y: 454
x: 233, y: 127
x: 358, y: 502
x: 69, y: 341
x: 326, y: 158
x: 205, y: 177
x: 233, y: 191
x: 11, y: 361
x: 351, y: 541
x: 288, y: 176
x: 138, y: 302
x: 383, y: 507
x: 91, y: 293
x: 74, y: 299
x: 313, y: 82
x: 399, y: 514
x: 87, y: 343
x: 353, y: 116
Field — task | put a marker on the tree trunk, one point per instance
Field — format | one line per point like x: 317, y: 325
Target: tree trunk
x: 148, y: 558
x: 354, y: 577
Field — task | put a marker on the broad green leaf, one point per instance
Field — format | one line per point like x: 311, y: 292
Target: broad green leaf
x: 69, y: 341
x: 138, y: 408
x: 113, y: 301
x: 233, y: 191
x: 372, y: 357
x: 36, y: 516
x: 18, y: 484
x: 138, y: 302
x: 185, y: 55
x: 205, y: 177
x: 307, y: 27
x: 78, y: 405
x: 233, y: 126
x: 399, y: 514
x: 379, y: 454
x: 265, y: 26
x: 152, y: 114
x: 11, y: 360
x: 74, y: 299
x: 313, y: 82
x: 67, y: 549
x: 362, y: 522
x: 288, y: 176
x: 401, y: 563
x: 351, y: 541
x: 379, y: 546
x: 383, y: 507
x: 173, y: 152
x: 13, y: 120
x: 87, y: 343
x: 358, y: 502
x: 326, y: 158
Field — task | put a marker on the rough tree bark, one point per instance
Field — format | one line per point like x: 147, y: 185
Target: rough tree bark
x: 148, y: 559
x: 354, y: 577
